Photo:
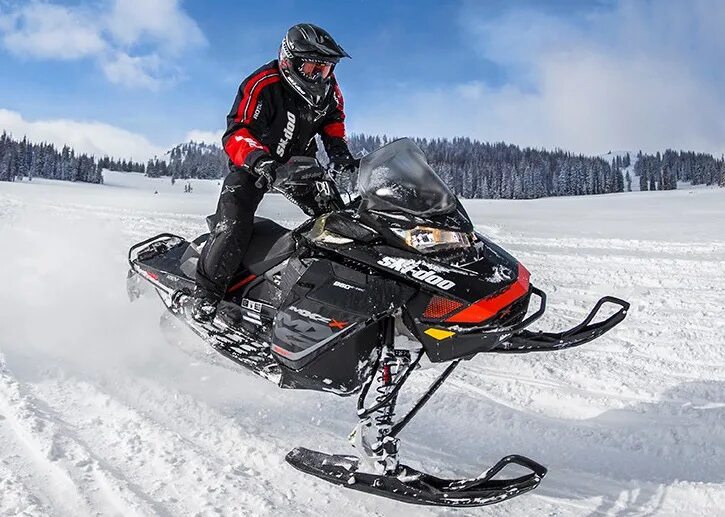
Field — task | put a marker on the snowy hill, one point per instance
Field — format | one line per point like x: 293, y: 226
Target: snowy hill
x: 183, y: 150
x: 100, y: 415
x: 612, y: 156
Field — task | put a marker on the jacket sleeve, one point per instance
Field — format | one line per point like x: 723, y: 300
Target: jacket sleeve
x: 333, y: 129
x: 249, y: 117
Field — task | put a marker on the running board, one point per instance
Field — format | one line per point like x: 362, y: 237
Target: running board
x: 412, y: 486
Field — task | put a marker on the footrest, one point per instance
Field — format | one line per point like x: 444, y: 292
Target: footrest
x: 412, y: 486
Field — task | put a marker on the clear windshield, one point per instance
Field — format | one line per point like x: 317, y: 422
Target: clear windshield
x: 397, y: 178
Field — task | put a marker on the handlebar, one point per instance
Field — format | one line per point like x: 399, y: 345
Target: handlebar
x: 264, y: 179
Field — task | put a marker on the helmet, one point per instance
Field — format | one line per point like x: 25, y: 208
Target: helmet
x: 307, y: 58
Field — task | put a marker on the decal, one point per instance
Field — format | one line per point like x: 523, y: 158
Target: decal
x: 289, y: 131
x: 251, y: 142
x: 347, y: 287
x: 309, y: 315
x: 323, y: 188
x: 412, y: 268
x: 334, y: 324
x: 439, y: 334
x: 257, y: 110
x: 251, y: 305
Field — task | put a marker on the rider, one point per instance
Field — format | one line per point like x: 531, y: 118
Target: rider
x: 277, y: 113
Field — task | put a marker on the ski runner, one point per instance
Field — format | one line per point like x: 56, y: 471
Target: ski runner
x: 277, y: 113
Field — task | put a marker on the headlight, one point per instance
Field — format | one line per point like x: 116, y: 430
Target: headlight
x: 429, y: 240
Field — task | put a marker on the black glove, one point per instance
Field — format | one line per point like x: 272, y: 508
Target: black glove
x: 265, y: 170
x: 344, y: 164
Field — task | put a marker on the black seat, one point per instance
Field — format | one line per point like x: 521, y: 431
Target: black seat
x: 271, y: 244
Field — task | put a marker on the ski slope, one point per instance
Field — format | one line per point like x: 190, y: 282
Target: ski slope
x: 100, y: 415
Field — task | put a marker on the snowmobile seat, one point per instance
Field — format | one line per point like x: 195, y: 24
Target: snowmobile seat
x: 271, y: 244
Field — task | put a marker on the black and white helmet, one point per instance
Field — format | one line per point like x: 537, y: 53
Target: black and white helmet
x: 307, y: 58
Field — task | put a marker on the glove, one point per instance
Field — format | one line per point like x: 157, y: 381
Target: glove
x: 344, y: 164
x: 265, y: 170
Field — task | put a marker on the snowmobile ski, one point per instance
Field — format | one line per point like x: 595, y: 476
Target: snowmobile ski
x: 412, y: 486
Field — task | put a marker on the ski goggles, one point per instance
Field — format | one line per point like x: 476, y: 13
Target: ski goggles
x: 314, y: 70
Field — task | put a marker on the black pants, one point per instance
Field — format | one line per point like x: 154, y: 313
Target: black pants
x: 222, y: 255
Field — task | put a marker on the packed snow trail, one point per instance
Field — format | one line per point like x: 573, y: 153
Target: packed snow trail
x: 100, y: 415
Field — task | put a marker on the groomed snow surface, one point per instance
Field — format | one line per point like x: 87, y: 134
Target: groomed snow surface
x: 101, y: 415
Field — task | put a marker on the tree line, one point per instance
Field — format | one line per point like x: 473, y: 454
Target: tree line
x: 471, y: 168
x: 476, y: 169
x: 662, y: 172
x: 23, y: 159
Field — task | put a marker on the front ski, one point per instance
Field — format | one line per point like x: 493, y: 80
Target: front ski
x: 412, y: 486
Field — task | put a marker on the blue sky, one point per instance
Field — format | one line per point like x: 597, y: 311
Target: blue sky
x: 138, y: 76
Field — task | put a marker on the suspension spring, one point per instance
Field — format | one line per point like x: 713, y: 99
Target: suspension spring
x: 392, y: 364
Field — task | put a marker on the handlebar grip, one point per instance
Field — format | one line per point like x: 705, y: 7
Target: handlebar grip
x: 264, y: 179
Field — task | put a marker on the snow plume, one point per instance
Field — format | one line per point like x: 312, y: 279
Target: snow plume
x: 134, y: 42
x: 94, y: 138
x: 633, y: 75
x: 62, y: 296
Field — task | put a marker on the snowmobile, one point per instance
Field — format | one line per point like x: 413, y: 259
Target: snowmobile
x: 318, y: 308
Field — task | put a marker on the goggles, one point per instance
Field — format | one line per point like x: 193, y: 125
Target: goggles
x: 315, y: 70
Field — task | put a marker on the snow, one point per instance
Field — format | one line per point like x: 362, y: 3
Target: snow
x: 100, y: 415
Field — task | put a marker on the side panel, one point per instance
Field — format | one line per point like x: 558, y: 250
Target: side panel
x: 330, y: 323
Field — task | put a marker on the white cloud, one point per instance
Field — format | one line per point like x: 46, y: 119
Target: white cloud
x: 51, y: 31
x: 135, y: 42
x: 160, y: 21
x: 134, y: 72
x: 84, y: 137
x: 643, y: 75
x: 207, y: 137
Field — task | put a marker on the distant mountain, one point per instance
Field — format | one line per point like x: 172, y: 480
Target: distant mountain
x: 190, y: 160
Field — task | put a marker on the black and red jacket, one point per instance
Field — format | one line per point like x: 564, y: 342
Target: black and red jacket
x: 269, y: 119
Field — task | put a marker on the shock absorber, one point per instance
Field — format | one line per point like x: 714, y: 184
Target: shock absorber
x: 392, y: 363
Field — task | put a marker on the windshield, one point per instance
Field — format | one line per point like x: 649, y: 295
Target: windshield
x: 397, y: 178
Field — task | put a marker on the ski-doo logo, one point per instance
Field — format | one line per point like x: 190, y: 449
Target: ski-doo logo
x: 289, y: 131
x: 412, y: 268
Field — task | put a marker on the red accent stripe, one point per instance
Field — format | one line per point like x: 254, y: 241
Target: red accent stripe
x: 281, y: 351
x: 254, y: 95
x: 340, y: 100
x: 335, y: 130
x: 244, y: 281
x: 487, y: 308
x: 250, y: 94
x: 239, y: 150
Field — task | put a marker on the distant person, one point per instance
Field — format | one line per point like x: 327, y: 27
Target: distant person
x: 277, y: 113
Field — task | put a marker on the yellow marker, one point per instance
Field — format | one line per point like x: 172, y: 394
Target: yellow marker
x: 439, y: 334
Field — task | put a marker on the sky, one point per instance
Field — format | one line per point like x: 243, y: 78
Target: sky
x: 132, y: 78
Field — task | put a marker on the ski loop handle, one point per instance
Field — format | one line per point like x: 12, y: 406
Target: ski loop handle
x: 526, y: 341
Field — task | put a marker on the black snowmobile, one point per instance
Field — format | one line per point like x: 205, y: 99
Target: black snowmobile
x: 318, y: 308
